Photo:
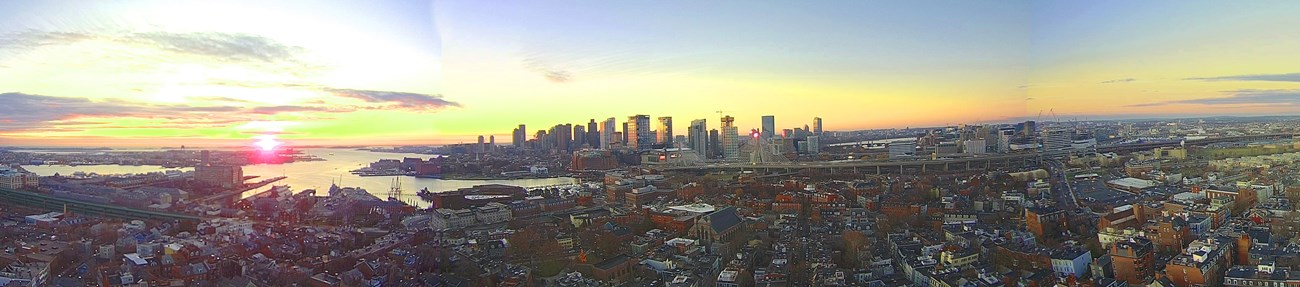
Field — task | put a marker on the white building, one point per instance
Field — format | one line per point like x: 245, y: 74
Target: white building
x: 452, y: 219
x: 1072, y: 261
x: 16, y: 179
x: 902, y: 149
x: 492, y: 213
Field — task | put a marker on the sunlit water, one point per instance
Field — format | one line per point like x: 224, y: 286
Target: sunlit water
x: 319, y: 174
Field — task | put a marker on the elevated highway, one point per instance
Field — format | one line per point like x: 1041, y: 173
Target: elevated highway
x: 985, y: 162
x: 46, y: 201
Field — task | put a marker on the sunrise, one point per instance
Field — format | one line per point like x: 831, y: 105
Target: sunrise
x: 649, y: 143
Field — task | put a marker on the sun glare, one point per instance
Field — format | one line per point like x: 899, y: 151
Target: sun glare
x: 267, y: 142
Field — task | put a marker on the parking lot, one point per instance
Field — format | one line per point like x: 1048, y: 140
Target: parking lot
x: 1095, y: 193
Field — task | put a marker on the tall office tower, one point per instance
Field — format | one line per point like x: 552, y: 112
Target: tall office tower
x: 697, y: 138
x: 1028, y: 128
x: 814, y: 144
x: 492, y: 142
x: 639, y: 136
x: 730, y: 139
x: 567, y: 134
x: 769, y: 127
x: 787, y: 133
x: 1056, y: 143
x: 625, y: 142
x: 593, y: 134
x: 482, y: 144
x: 520, y: 136
x: 664, y: 132
x: 579, y: 136
x: 562, y: 137
x: 541, y: 142
x: 715, y: 147
x: 607, y: 134
x: 817, y: 126
x: 1005, y: 135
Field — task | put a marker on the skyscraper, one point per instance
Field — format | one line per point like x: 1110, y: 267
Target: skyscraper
x: 562, y: 137
x: 729, y: 139
x: 697, y: 137
x: 520, y: 136
x: 482, y: 144
x: 607, y: 133
x: 769, y: 127
x: 664, y: 132
x: 593, y: 134
x: 626, y: 142
x: 638, y: 132
x: 715, y: 146
x: 579, y: 136
x: 817, y: 126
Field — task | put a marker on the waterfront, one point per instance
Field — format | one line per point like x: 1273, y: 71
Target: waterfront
x: 319, y: 174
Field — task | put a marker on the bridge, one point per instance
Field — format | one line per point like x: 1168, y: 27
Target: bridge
x: 45, y: 201
x: 232, y: 196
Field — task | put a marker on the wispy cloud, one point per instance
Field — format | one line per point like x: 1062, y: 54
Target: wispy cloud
x: 222, y: 46
x: 1292, y: 77
x: 1240, y: 97
x: 402, y: 100
x: 26, y: 111
x: 1119, y: 81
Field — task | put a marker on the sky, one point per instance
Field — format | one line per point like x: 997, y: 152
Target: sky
x: 170, y: 73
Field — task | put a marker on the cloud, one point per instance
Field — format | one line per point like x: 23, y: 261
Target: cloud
x: 557, y: 76
x: 28, y: 112
x: 1240, y: 97
x: 547, y: 71
x: 220, y: 46
x: 1292, y: 77
x: 301, y: 109
x: 1118, y: 81
x: 402, y: 100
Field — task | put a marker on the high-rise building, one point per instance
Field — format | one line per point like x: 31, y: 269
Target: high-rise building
x: 715, y: 145
x: 625, y: 135
x: 482, y: 144
x: 697, y: 137
x: 730, y: 139
x: 664, y: 131
x: 562, y: 136
x: 593, y: 134
x: 1056, y: 143
x: 227, y: 176
x: 638, y: 130
x: 520, y: 136
x: 608, y: 132
x: 769, y: 127
x: 817, y: 126
x: 579, y: 136
x: 814, y: 144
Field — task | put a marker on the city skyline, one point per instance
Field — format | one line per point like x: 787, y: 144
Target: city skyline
x: 434, y: 72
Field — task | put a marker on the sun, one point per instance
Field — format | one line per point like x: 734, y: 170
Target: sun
x: 267, y: 142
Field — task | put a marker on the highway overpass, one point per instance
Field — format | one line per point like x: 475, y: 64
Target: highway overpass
x: 46, y: 201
